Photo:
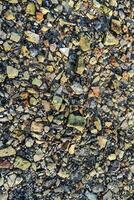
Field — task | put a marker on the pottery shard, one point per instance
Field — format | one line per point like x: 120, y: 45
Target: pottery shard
x: 37, y: 127
x: 8, y: 151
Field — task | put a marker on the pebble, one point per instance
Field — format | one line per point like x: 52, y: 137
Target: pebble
x: 112, y: 157
x: 65, y: 51
x: 84, y: 43
x: 37, y: 82
x: 30, y: 9
x: 12, y: 72
x: 57, y: 101
x: 90, y: 196
x: 37, y: 127
x: 110, y: 40
x: 77, y: 88
x: 8, y: 151
x: 76, y: 121
x: 3, y: 196
x: 15, y: 37
x: 108, y: 196
x: 21, y: 163
x: 102, y: 142
x: 32, y: 37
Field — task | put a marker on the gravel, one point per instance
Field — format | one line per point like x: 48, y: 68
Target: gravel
x: 66, y: 100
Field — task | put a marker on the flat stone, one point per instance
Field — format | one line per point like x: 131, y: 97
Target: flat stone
x: 21, y: 163
x: 32, y: 37
x: 15, y: 37
x: 8, y: 151
x: 37, y: 127
x: 76, y: 121
x: 57, y: 101
x: 37, y: 82
x: 110, y: 40
x: 12, y: 72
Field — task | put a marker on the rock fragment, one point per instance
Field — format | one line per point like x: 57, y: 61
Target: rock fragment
x: 8, y: 151
x: 64, y: 51
x: 32, y: 37
x: 110, y: 40
x: 15, y: 37
x: 37, y: 82
x: 30, y: 9
x: 76, y: 121
x: 57, y: 101
x: 21, y: 163
x: 37, y: 127
x: 84, y: 43
x: 12, y: 72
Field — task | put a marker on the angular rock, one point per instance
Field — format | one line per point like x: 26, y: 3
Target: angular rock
x: 77, y: 88
x: 80, y: 65
x: 30, y: 9
x: 9, y: 15
x: 21, y: 163
x: 32, y: 37
x: 63, y: 174
x: 90, y: 196
x: 112, y: 156
x: 77, y: 122
x: 57, y: 101
x: 37, y: 82
x: 15, y: 37
x: 84, y: 43
x: 12, y: 72
x: 102, y: 142
x: 98, y: 125
x: 7, y: 46
x: 110, y: 40
x: 64, y: 51
x: 116, y: 26
x: 13, y: 1
x: 8, y: 151
x: 37, y: 127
